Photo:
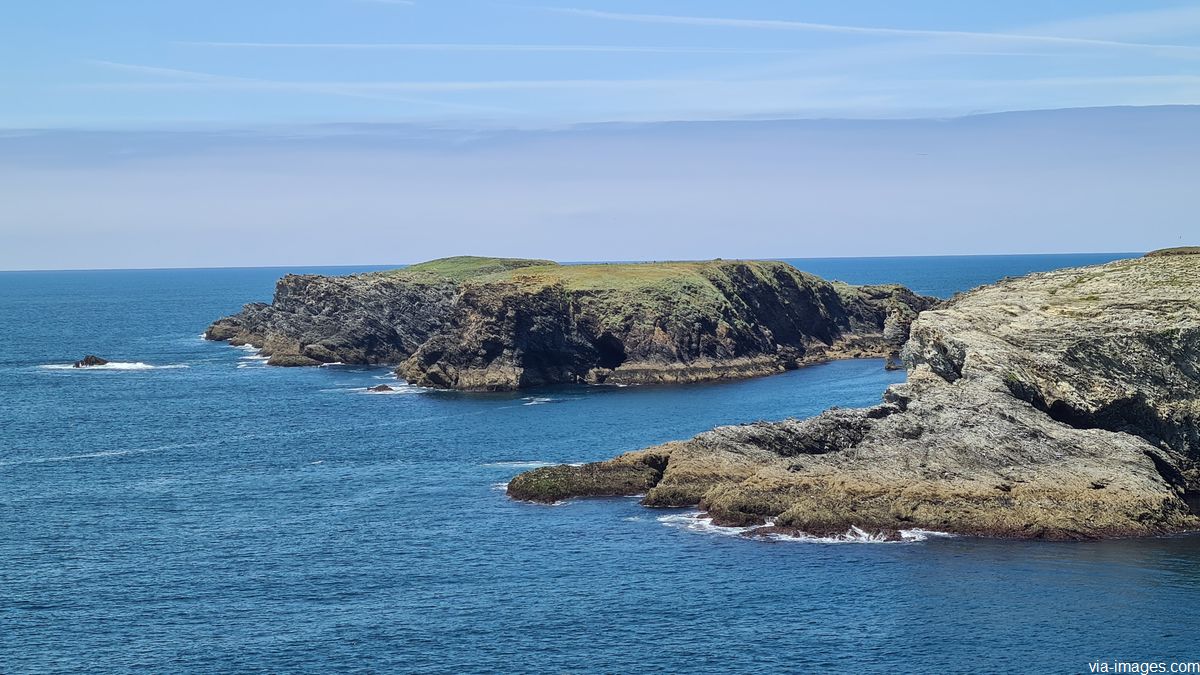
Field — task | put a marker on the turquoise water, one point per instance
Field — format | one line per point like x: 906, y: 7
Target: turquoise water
x: 204, y: 513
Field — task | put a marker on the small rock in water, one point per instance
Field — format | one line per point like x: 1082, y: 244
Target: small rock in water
x: 380, y: 387
x: 89, y: 361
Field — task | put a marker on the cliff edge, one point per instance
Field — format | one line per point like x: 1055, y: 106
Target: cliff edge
x: 1062, y: 405
x: 497, y: 324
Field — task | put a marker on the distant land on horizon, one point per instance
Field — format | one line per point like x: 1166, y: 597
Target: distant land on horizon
x: 375, y: 266
x: 1101, y: 179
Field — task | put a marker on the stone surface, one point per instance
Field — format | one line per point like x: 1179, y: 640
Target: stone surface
x: 1061, y: 405
x: 90, y: 361
x: 500, y: 324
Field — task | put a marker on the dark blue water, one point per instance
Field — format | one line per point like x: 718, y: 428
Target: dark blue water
x: 220, y: 515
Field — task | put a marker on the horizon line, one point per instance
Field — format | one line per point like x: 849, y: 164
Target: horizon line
x: 566, y: 262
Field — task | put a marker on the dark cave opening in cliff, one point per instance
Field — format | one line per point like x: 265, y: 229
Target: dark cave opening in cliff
x: 611, y: 351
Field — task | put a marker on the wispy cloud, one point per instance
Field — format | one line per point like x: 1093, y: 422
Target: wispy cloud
x: 466, y: 47
x: 185, y: 79
x: 789, y: 25
x: 195, y: 80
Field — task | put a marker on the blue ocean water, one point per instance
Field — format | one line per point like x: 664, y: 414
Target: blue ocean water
x: 204, y: 513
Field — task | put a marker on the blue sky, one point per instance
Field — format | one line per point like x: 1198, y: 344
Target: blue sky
x: 130, y: 63
x: 189, y: 133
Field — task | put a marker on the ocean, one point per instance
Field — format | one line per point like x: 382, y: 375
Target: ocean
x: 190, y: 510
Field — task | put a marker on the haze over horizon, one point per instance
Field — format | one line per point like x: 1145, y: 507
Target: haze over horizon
x: 359, y: 132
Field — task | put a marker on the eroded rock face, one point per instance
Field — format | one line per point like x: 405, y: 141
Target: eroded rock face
x: 364, y: 319
x: 498, y: 324
x: 1060, y: 405
x: 90, y: 361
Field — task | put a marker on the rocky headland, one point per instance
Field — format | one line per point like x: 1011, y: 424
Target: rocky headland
x: 490, y: 324
x: 1062, y: 405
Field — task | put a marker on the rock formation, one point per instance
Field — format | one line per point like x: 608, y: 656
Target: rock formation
x: 498, y: 324
x: 90, y: 361
x: 1060, y: 405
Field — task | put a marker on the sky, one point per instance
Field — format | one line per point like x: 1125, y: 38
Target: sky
x: 389, y: 131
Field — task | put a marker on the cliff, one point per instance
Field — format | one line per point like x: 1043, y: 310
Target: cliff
x: 1061, y: 405
x: 496, y: 324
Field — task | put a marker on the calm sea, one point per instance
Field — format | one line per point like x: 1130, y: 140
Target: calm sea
x: 195, y: 511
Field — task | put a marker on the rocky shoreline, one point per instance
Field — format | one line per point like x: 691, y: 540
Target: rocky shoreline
x: 1062, y: 405
x: 491, y: 324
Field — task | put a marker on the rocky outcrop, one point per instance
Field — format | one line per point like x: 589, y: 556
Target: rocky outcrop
x: 1061, y: 405
x: 498, y: 324
x: 90, y: 361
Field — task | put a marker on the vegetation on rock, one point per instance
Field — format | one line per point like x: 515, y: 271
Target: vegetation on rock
x: 497, y: 323
x: 1061, y: 405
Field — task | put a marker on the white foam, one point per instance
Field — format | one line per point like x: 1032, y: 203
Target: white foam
x: 697, y: 521
x: 254, y: 360
x: 539, y: 400
x: 395, y: 389
x: 520, y: 464
x: 500, y: 487
x: 93, y: 455
x: 115, y: 365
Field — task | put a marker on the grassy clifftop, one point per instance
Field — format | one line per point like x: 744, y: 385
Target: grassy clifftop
x: 1178, y: 250
x: 667, y: 275
x: 504, y: 323
x: 469, y: 266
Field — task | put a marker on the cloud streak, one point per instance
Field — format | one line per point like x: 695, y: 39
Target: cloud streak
x: 465, y: 47
x: 201, y: 80
x: 788, y: 25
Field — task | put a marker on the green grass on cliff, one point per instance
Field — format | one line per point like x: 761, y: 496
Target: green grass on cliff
x: 469, y: 266
x: 1178, y: 250
x: 677, y: 291
x: 590, y: 277
x: 614, y: 276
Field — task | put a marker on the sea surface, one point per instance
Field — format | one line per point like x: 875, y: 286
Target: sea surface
x: 190, y: 510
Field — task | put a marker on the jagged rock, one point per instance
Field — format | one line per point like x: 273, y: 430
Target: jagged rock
x: 499, y: 324
x: 380, y: 388
x: 90, y: 361
x: 1060, y: 405
x: 289, y: 360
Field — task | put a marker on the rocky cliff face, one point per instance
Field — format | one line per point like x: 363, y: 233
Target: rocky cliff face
x: 1059, y: 405
x: 495, y: 324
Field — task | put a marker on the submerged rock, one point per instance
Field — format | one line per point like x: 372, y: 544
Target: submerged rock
x: 1062, y: 405
x: 90, y: 361
x: 380, y: 388
x: 500, y: 324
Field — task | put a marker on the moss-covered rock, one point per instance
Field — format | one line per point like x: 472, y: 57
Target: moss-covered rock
x: 630, y: 474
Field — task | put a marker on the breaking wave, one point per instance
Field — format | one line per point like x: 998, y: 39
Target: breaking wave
x: 519, y: 464
x: 115, y: 365
x: 698, y: 521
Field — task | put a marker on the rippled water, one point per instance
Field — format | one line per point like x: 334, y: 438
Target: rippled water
x: 202, y: 512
